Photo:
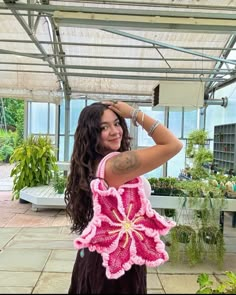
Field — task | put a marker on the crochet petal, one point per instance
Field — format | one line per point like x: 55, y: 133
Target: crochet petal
x: 131, y: 203
x: 109, y: 205
x: 150, y: 250
x: 105, y: 238
x: 119, y: 260
x: 100, y: 238
x: 155, y: 223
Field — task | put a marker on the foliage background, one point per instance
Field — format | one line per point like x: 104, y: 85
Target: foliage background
x: 13, y: 136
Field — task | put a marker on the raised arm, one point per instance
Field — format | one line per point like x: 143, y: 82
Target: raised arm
x: 130, y: 164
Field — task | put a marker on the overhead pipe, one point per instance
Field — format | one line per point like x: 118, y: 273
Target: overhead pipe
x: 223, y: 101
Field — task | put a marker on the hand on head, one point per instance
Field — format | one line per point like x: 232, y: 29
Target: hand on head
x: 121, y: 108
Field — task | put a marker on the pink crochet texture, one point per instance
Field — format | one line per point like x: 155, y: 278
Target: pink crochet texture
x: 125, y: 229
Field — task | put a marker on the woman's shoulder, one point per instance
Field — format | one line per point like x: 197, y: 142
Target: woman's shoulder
x: 101, y: 165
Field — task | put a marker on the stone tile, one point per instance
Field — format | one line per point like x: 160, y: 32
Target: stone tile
x: 229, y: 263
x: 41, y: 244
x: 5, y: 238
x: 5, y: 218
x: 180, y: 284
x: 59, y: 266
x: 15, y: 290
x: 18, y: 279
x: 23, y: 259
x: 61, y: 220
x: 9, y: 230
x: 153, y: 281
x: 61, y: 261
x: 21, y: 220
x: 66, y: 229
x: 40, y: 230
x: 151, y: 270
x: 53, y: 283
x: 43, y: 212
x: 184, y: 268
x: 63, y: 255
x: 155, y: 291
x: 42, y: 235
x: 5, y: 195
x: 230, y: 244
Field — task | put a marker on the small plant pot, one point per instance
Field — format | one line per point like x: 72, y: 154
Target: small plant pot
x: 209, y: 234
x: 162, y: 191
x: 170, y: 212
x: 184, y: 233
x: 60, y: 191
x: 202, y: 214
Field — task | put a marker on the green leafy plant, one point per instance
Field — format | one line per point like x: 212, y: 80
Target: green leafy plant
x: 196, y: 137
x: 164, y: 186
x: 35, y: 163
x: 201, y: 155
x: 207, y: 242
x: 183, y: 245
x: 59, y: 182
x: 8, y: 141
x: 206, y: 286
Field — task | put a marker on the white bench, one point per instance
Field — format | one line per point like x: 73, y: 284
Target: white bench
x: 44, y: 196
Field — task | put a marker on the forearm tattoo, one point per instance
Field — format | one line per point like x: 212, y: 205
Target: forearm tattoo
x: 125, y: 162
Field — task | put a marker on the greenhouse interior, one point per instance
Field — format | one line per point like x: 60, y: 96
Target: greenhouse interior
x: 175, y: 61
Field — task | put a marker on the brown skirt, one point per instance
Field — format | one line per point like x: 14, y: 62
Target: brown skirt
x: 88, y: 277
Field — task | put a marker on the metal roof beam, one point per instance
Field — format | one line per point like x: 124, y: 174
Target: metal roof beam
x: 185, y: 23
x: 231, y: 43
x: 135, y: 77
x: 113, y: 76
x: 148, y: 69
x: 114, y: 45
x: 135, y: 37
x: 36, y: 42
x: 120, y: 11
x: 31, y: 55
x: 154, y: 4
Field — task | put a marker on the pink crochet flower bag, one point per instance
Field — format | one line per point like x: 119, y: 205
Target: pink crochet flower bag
x: 125, y: 229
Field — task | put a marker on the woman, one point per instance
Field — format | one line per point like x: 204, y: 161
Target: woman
x: 101, y: 130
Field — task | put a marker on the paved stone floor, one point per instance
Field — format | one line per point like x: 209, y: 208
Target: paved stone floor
x: 37, y: 254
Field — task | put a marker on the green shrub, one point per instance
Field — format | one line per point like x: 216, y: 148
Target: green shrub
x: 35, y: 163
x: 59, y: 182
x: 7, y: 144
x: 5, y: 153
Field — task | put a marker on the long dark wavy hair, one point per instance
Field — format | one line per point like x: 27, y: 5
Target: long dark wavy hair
x: 87, y: 153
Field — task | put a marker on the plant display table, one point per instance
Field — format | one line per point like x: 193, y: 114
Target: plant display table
x: 177, y: 202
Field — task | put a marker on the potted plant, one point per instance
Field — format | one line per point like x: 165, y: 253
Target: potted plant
x: 212, y: 244
x: 170, y: 212
x: 164, y: 186
x: 196, y: 138
x: 201, y: 156
x: 210, y: 234
x: 184, y: 233
x: 183, y: 244
x: 194, y: 230
x: 35, y: 163
x: 59, y: 182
